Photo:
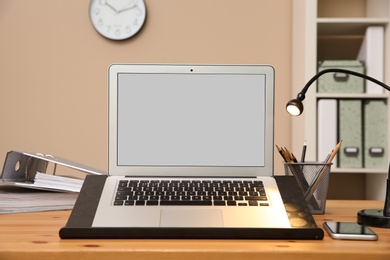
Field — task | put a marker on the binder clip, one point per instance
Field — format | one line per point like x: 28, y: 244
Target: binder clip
x: 21, y: 167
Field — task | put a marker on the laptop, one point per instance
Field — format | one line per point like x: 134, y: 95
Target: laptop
x: 206, y: 128
x: 190, y: 156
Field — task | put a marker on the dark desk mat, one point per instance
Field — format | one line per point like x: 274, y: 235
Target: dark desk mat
x: 297, y: 210
x: 81, y: 218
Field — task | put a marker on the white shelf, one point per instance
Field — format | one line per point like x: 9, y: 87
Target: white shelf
x: 358, y: 20
x: 358, y: 170
x: 308, y: 29
x: 347, y: 26
x: 351, y: 95
x: 329, y: 37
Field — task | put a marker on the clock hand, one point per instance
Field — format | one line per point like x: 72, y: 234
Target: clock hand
x: 127, y: 9
x: 132, y: 5
x: 110, y: 6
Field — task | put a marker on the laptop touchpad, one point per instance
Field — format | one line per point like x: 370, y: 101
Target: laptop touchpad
x: 191, y: 218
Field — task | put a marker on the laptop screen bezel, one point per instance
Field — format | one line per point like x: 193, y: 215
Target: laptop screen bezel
x: 189, y: 171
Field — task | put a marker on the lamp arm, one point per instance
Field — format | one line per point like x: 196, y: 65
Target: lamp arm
x: 319, y: 74
x: 371, y: 217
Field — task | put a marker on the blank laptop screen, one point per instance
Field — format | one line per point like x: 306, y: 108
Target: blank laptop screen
x: 191, y: 119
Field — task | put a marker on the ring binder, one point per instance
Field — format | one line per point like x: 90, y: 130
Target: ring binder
x: 22, y: 167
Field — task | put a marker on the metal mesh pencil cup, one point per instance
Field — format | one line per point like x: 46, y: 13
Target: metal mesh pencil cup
x: 313, y: 179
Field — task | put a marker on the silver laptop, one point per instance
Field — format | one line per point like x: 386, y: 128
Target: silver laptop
x: 191, y: 146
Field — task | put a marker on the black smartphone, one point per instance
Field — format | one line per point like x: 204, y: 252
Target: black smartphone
x: 349, y: 230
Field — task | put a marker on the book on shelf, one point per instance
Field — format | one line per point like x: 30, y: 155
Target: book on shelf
x: 372, y: 53
x: 327, y: 128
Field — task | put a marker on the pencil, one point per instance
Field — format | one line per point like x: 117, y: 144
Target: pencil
x: 287, y: 154
x: 281, y: 152
x: 319, y: 177
x: 334, y: 152
x: 294, y: 158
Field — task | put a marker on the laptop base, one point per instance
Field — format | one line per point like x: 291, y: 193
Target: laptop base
x: 79, y: 225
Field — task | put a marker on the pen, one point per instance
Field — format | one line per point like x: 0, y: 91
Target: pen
x: 303, y: 152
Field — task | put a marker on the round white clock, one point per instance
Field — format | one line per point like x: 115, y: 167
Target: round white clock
x: 117, y: 19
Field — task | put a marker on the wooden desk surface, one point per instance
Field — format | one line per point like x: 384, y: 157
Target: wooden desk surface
x: 35, y: 236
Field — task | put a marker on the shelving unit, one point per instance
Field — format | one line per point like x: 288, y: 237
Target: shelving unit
x: 334, y: 30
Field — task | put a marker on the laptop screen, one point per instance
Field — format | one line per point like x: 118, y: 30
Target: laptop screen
x: 191, y: 119
x: 198, y: 117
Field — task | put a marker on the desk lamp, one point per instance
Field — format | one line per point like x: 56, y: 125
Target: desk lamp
x: 370, y: 217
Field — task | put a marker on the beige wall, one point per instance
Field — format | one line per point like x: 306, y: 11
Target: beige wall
x: 53, y: 65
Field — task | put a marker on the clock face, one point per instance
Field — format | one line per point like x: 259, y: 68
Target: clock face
x: 117, y: 19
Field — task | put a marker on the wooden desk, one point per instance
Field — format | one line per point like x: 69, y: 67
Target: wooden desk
x: 35, y: 236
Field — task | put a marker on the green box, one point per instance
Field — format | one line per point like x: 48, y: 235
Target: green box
x: 341, y: 82
x: 375, y: 133
x: 351, y: 132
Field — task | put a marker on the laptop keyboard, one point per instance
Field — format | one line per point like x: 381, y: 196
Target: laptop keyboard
x: 190, y: 193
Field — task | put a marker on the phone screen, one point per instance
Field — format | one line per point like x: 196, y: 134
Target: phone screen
x: 349, y: 230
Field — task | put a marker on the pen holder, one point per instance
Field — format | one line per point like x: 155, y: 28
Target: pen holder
x: 313, y: 179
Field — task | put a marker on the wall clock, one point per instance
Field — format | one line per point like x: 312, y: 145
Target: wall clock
x: 117, y: 19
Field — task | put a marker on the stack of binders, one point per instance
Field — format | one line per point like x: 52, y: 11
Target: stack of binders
x: 360, y: 122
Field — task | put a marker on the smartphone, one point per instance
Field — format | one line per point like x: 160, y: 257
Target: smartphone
x: 349, y: 230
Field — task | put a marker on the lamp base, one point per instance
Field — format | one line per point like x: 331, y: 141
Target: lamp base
x: 373, y: 218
